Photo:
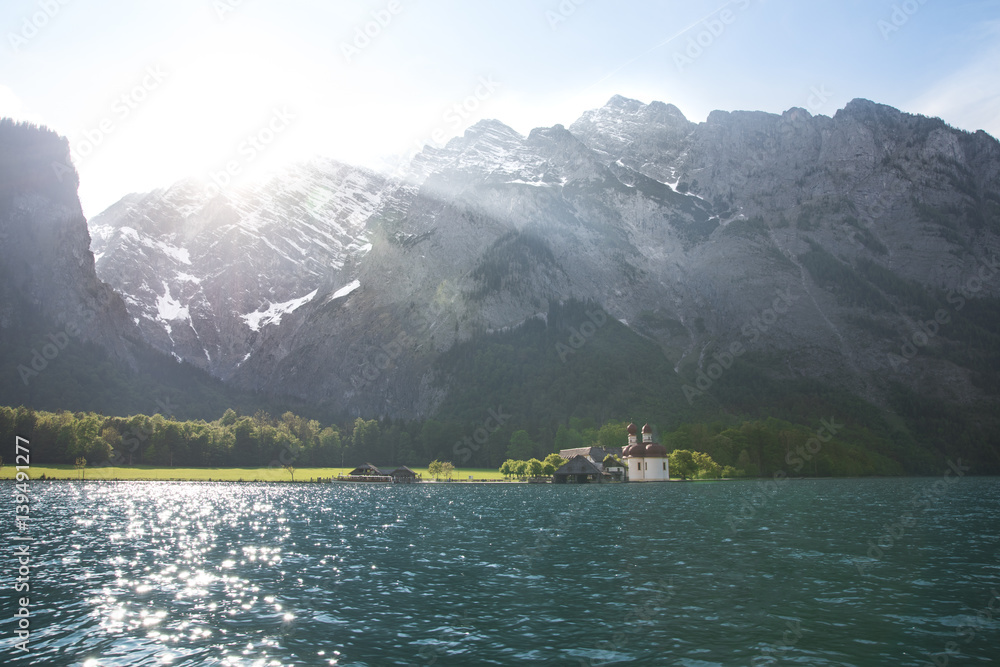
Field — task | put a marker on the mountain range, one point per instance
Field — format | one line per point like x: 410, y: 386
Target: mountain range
x: 632, y: 265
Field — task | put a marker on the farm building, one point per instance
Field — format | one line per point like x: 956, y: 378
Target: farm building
x: 578, y: 470
x: 404, y: 475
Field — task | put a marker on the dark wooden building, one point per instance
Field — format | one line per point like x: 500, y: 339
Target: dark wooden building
x: 367, y: 473
x: 404, y: 475
x: 578, y: 470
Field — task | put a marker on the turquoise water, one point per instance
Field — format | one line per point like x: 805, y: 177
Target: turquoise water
x: 136, y: 573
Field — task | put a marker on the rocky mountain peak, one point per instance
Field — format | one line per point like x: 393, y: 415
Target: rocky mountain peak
x: 682, y: 232
x: 48, y: 266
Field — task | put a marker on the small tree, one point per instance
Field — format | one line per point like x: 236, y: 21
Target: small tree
x: 507, y: 467
x: 707, y: 468
x: 548, y: 469
x: 441, y: 469
x: 555, y: 461
x: 534, y: 467
x: 682, y: 463
x: 291, y: 471
x: 520, y: 468
x: 81, y: 463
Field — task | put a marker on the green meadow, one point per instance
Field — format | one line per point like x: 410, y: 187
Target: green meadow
x: 215, y: 474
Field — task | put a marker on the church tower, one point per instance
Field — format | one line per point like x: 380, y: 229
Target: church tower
x: 647, y: 460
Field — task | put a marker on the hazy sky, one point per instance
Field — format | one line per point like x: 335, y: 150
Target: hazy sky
x: 151, y: 92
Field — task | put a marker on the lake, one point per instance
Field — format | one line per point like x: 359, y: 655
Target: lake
x: 810, y: 572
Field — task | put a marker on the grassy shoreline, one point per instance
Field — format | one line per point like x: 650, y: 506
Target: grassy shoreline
x: 156, y: 473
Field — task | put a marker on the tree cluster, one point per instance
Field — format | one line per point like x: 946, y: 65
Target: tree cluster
x: 438, y: 469
x: 697, y: 450
x: 532, y: 467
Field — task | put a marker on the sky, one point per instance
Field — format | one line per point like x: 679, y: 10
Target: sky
x: 149, y: 92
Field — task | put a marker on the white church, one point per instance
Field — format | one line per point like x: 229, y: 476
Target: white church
x: 646, y: 461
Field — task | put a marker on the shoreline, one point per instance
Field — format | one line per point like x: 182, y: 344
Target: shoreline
x: 68, y: 473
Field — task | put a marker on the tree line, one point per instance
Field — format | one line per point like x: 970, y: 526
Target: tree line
x: 754, y: 448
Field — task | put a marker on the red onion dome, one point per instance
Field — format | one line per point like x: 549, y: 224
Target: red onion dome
x: 654, y: 449
x: 647, y: 429
x: 632, y: 429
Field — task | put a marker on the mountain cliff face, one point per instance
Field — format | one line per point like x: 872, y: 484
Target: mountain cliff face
x: 47, y: 272
x: 67, y: 339
x: 858, y: 251
x: 204, y: 272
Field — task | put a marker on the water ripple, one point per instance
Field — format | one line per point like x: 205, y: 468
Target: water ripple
x: 154, y: 573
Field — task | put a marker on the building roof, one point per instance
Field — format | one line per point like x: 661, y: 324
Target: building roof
x: 595, y: 453
x: 366, y: 469
x: 578, y: 465
x: 645, y: 449
x: 403, y: 471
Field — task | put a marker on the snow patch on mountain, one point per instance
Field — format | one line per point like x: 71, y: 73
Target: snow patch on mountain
x: 346, y: 289
x: 169, y: 308
x: 177, y: 254
x: 275, y: 311
x: 535, y: 184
